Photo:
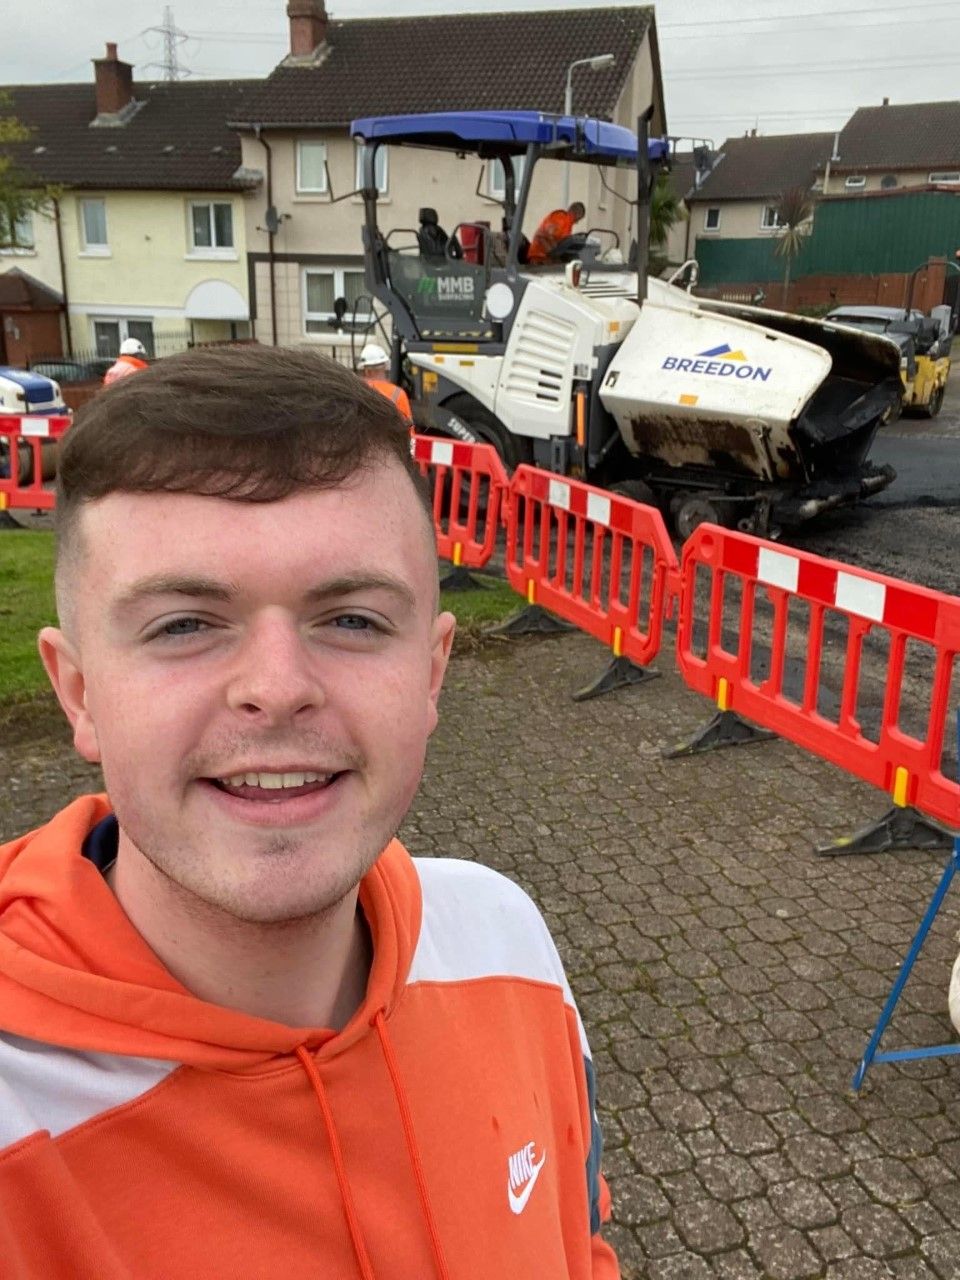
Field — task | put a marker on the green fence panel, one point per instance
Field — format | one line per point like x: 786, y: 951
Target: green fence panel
x: 857, y: 236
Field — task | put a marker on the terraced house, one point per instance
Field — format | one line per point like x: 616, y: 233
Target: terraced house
x: 303, y: 230
x: 145, y: 235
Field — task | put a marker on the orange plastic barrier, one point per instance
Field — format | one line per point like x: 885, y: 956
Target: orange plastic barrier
x: 23, y: 458
x: 469, y: 482
x: 719, y: 665
x: 597, y: 560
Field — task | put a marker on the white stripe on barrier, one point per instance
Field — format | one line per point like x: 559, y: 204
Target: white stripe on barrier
x: 441, y: 453
x: 598, y: 508
x: 778, y: 570
x: 34, y: 426
x: 558, y: 495
x: 861, y: 596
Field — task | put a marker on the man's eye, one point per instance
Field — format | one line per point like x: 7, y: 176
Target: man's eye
x: 182, y: 627
x: 353, y: 622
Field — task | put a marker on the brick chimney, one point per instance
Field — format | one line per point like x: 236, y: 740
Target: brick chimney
x: 308, y: 26
x: 114, y: 83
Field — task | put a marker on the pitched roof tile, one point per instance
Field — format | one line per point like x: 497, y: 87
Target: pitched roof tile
x: 177, y: 140
x: 758, y: 168
x: 914, y: 135
x: 378, y: 66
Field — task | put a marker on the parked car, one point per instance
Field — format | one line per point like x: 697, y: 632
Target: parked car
x: 69, y: 371
x: 23, y: 392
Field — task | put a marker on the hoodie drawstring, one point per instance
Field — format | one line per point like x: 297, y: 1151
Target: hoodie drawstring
x: 412, y: 1150
x: 416, y: 1163
x: 346, y: 1195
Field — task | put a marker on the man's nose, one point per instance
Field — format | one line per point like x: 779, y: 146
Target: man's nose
x: 274, y: 676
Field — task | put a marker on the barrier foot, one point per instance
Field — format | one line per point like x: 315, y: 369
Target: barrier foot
x: 726, y: 729
x: 461, y: 579
x: 899, y: 828
x: 532, y: 619
x: 620, y: 673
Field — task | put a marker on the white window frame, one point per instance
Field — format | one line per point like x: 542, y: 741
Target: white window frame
x: 339, y: 291
x: 765, y: 223
x: 94, y: 249
x: 29, y: 246
x: 945, y: 177
x: 123, y: 325
x: 855, y: 182
x: 498, y: 190
x: 226, y: 253
x: 711, y: 208
x: 382, y: 158
x: 324, y: 188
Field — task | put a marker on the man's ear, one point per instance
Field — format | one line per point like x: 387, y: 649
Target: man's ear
x: 444, y: 625
x: 62, y: 663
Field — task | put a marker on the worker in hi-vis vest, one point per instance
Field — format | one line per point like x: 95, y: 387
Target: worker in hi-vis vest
x: 372, y: 366
x: 132, y: 359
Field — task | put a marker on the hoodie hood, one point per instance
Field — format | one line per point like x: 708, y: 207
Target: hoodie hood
x: 74, y: 971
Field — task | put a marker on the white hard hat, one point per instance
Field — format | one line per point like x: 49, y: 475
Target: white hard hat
x: 372, y: 355
x: 132, y: 347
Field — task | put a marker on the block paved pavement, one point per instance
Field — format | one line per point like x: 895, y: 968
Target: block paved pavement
x: 728, y: 978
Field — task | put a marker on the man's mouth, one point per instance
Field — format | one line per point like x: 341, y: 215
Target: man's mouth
x: 273, y: 787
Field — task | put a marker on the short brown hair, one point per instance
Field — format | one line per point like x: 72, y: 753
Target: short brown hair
x: 250, y: 423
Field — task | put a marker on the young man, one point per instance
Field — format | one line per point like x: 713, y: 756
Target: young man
x: 555, y: 227
x: 242, y: 1031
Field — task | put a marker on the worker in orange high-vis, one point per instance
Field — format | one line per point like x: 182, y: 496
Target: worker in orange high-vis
x: 132, y: 358
x: 373, y: 367
x: 556, y: 226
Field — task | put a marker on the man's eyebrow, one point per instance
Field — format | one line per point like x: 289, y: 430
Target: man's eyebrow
x: 172, y: 584
x: 352, y: 583
x: 195, y: 587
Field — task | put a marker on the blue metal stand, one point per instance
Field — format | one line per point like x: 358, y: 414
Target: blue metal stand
x: 904, y: 1055
x: 934, y: 1051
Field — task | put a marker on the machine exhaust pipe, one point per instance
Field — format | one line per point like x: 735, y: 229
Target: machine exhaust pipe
x: 644, y: 190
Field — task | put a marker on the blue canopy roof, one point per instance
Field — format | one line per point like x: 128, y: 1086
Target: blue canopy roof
x: 511, y: 131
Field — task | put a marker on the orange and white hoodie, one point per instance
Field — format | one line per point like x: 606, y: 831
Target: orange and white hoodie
x: 446, y: 1133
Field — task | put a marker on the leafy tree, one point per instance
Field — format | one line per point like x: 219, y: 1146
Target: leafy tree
x: 794, y: 211
x: 20, y: 193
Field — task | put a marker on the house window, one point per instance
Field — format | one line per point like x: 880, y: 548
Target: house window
x: 321, y: 285
x: 379, y: 169
x: 948, y: 178
x: 312, y: 168
x: 855, y: 182
x: 16, y: 236
x: 93, y: 226
x: 711, y: 219
x: 211, y: 226
x: 497, y: 178
x: 888, y: 182
x: 770, y: 219
x: 108, y: 334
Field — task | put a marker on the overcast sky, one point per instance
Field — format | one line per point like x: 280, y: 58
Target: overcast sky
x: 803, y: 65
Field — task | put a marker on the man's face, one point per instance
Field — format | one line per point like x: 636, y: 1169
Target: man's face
x: 258, y: 680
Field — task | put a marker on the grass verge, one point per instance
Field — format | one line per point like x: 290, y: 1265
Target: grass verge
x: 27, y: 604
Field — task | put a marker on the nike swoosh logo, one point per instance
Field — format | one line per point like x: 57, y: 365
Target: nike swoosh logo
x: 519, y: 1202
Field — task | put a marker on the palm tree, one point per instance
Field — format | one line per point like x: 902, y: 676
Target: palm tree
x: 665, y: 211
x: 794, y: 211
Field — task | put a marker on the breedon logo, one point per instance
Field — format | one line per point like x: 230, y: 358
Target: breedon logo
x: 719, y: 362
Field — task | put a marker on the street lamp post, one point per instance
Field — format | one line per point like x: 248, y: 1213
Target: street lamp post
x: 595, y: 64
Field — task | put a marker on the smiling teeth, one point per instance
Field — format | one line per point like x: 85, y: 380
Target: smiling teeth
x: 274, y: 781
